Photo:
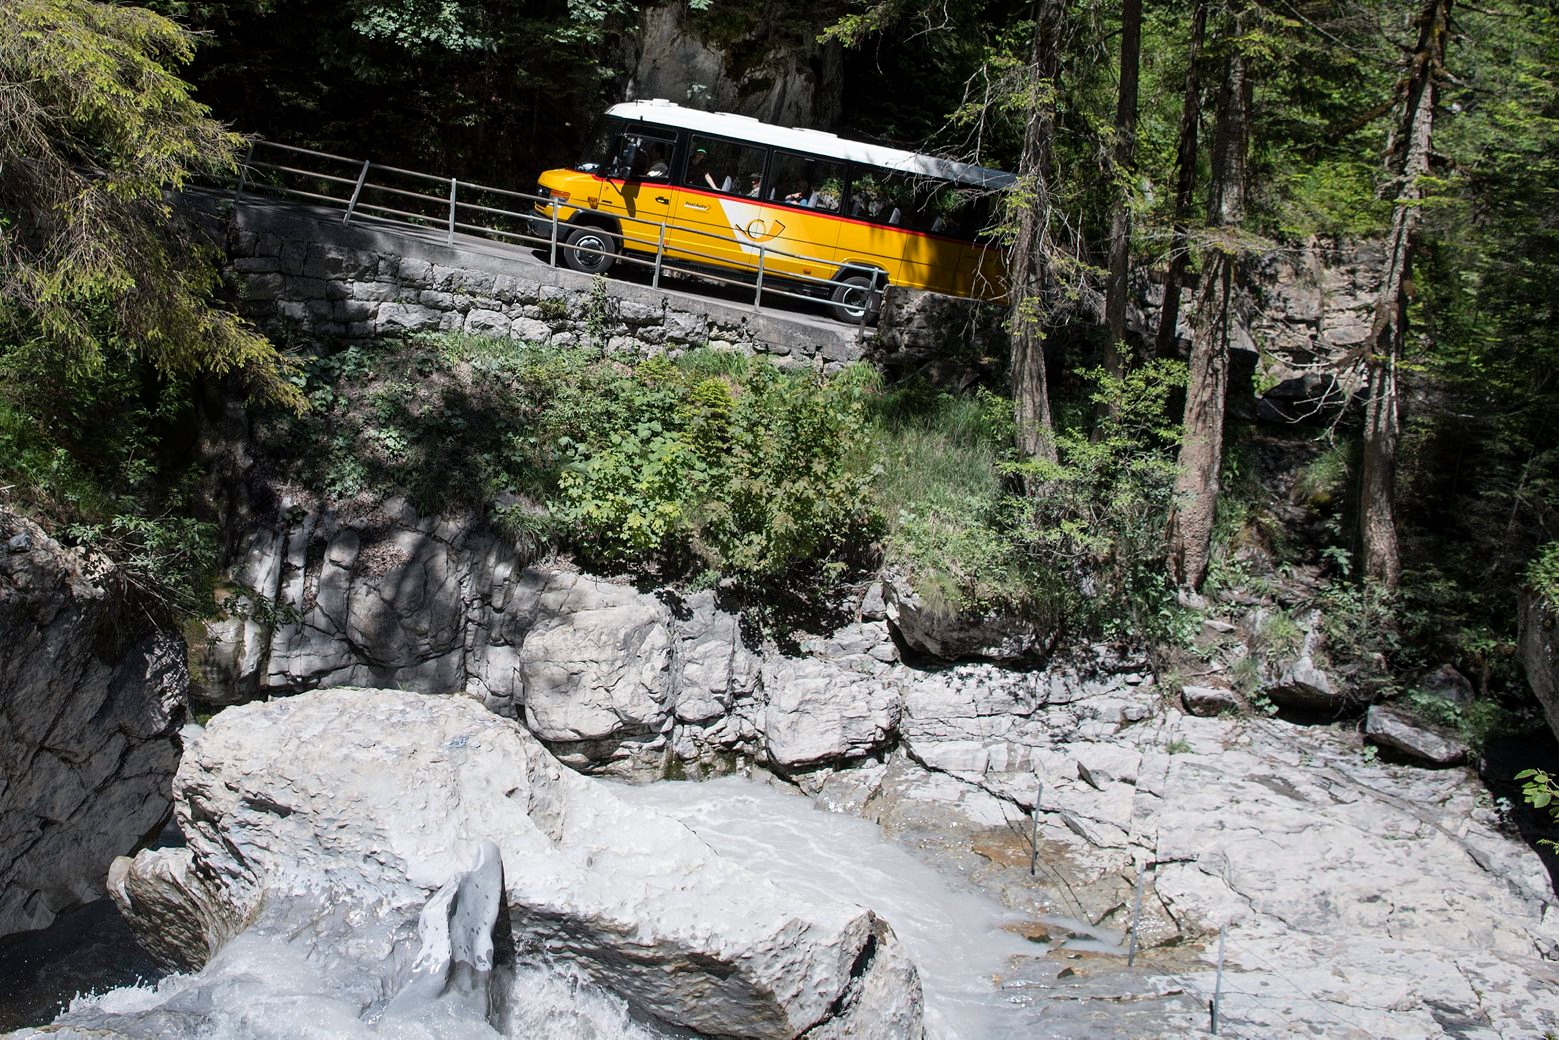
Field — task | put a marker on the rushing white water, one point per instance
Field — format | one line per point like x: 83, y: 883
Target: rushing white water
x: 264, y: 987
x: 269, y: 989
x: 956, y: 938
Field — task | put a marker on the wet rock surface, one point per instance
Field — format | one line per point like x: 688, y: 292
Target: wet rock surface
x: 91, y: 700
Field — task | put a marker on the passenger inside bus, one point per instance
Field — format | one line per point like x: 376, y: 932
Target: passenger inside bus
x: 802, y: 195
x: 754, y: 185
x: 698, y: 173
x: 659, y: 169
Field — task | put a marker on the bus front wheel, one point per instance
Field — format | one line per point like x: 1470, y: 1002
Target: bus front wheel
x: 853, y: 295
x: 589, y: 250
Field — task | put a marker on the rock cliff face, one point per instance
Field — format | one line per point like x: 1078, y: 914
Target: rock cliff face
x: 1306, y: 306
x: 91, y: 701
x: 1540, y: 654
x: 776, y: 70
x: 351, y: 828
x: 611, y: 679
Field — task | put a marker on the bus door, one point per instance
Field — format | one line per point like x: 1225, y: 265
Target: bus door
x: 636, y: 186
x: 719, y: 204
x: 874, y: 235
x: 802, y: 197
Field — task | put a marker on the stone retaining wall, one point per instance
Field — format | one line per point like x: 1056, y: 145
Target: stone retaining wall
x: 303, y: 272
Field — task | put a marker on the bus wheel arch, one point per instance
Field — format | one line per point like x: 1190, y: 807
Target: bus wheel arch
x: 852, y: 284
x: 591, y: 246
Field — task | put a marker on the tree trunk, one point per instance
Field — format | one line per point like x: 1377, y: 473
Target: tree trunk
x: 1031, y: 277
x: 1201, y: 448
x: 1407, y: 162
x: 1185, y: 187
x: 1120, y: 224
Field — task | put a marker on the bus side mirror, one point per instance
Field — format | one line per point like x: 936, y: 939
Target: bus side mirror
x: 625, y: 162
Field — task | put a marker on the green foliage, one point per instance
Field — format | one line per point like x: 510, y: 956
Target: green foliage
x: 1541, y: 791
x: 1332, y: 196
x: 751, y: 478
x: 1542, y: 574
x: 712, y: 465
x: 1098, y: 517
x: 1323, y: 480
x: 108, y: 311
x: 94, y: 129
x: 1474, y: 722
x: 85, y: 452
x: 1083, y: 554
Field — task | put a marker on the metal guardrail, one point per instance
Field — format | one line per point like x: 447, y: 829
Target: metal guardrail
x: 393, y: 196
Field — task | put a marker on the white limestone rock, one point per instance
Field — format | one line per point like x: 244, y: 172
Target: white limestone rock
x: 1209, y: 700
x: 956, y: 637
x: 820, y: 712
x: 599, y: 663
x: 375, y: 799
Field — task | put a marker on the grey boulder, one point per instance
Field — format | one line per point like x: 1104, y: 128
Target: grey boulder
x: 1209, y: 700
x: 954, y: 636
x: 1397, y: 730
x: 361, y: 805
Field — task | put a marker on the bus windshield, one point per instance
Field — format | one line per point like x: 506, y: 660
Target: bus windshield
x: 602, y: 148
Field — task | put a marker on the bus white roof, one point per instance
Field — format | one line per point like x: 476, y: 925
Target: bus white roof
x: 814, y: 142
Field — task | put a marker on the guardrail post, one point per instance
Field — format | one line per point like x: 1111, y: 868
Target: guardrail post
x: 660, y: 252
x: 1217, y: 1002
x: 243, y: 173
x: 866, y: 309
x: 451, y: 238
x: 1136, y: 917
x: 362, y: 175
x: 1034, y: 832
x: 757, y: 298
x: 552, y: 257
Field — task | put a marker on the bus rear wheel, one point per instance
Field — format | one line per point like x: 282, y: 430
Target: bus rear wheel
x: 590, y: 250
x: 853, y: 295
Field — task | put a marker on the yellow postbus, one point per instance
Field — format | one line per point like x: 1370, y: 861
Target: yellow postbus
x: 828, y: 217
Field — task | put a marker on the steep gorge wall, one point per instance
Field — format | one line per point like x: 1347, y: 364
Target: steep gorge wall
x: 92, y: 697
x: 769, y: 66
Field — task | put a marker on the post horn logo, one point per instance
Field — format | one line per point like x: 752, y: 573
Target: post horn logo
x: 759, y: 230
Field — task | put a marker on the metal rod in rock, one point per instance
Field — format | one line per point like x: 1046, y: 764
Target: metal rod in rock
x: 1223, y: 933
x: 1034, y: 833
x: 1136, y: 916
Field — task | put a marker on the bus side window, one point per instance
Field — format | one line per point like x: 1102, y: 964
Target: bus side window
x: 726, y: 166
x: 806, y: 182
x: 646, y: 156
x: 880, y: 196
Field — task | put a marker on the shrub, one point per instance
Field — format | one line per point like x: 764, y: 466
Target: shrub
x: 1542, y: 574
x: 752, y: 479
x: 1097, y: 523
x: 84, y: 451
x: 714, y: 465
